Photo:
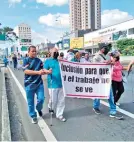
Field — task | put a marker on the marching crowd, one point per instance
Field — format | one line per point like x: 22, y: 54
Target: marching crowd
x: 13, y: 60
x: 34, y: 68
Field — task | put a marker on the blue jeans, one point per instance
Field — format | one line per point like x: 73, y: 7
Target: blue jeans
x: 96, y: 103
x: 5, y: 64
x: 39, y: 91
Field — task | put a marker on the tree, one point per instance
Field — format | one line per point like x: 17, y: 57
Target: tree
x: 9, y: 34
x: 129, y: 51
x: 7, y: 29
x: 124, y: 44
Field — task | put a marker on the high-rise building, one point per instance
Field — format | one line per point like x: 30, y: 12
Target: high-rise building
x: 75, y: 14
x: 95, y: 14
x: 85, y: 14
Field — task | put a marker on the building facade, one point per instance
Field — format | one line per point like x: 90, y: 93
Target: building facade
x: 85, y: 14
x: 24, y: 33
x: 110, y: 34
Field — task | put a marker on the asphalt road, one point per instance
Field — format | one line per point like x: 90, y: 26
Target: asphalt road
x: 82, y: 124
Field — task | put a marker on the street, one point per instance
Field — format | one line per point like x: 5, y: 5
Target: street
x: 86, y: 46
x: 82, y: 123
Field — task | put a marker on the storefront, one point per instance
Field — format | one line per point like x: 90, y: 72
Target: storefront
x: 110, y: 34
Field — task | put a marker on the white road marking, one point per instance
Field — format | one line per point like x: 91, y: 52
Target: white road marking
x: 42, y: 124
x: 120, y: 110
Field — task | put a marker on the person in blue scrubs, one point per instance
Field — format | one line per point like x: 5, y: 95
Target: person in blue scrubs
x: 57, y: 99
x: 33, y: 70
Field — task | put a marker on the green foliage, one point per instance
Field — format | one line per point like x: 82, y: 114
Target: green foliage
x: 124, y: 43
x: 7, y: 29
x: 9, y: 34
x: 42, y: 53
x: 126, y: 46
x: 129, y: 51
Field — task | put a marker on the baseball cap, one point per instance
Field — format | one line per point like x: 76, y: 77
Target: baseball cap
x: 104, y: 45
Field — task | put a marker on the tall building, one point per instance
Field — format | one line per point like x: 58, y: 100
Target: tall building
x: 75, y: 14
x: 24, y: 33
x: 85, y: 14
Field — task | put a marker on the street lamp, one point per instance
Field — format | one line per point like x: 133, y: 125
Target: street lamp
x: 62, y: 38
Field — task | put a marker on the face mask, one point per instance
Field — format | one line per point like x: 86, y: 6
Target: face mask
x: 56, y: 54
x: 106, y: 51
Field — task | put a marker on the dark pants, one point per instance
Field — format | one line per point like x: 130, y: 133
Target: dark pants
x: 118, y: 90
x: 5, y: 64
x: 15, y: 65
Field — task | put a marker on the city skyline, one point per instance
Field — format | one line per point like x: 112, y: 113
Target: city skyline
x: 42, y: 16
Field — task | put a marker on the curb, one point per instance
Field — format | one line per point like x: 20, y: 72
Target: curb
x: 6, y: 133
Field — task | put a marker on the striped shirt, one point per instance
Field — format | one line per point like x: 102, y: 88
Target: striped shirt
x: 32, y: 81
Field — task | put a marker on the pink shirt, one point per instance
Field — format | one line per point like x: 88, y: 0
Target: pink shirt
x: 117, y: 72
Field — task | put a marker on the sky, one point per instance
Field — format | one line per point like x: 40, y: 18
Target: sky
x: 41, y: 15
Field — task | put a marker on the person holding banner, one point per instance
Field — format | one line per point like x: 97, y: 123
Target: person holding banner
x: 57, y: 98
x: 101, y: 57
x: 117, y: 79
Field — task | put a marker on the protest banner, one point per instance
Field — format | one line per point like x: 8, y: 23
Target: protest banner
x: 86, y: 80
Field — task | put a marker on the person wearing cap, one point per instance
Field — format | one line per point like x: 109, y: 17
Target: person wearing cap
x: 57, y: 98
x: 117, y: 79
x: 101, y: 57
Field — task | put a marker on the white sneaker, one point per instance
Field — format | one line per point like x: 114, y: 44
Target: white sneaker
x: 62, y: 119
x: 34, y: 120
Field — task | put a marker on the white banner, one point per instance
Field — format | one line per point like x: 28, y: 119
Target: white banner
x: 86, y: 80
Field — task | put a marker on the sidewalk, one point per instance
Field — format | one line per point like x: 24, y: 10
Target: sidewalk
x: 5, y: 134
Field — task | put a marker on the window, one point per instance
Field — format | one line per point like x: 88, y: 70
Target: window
x: 131, y: 31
